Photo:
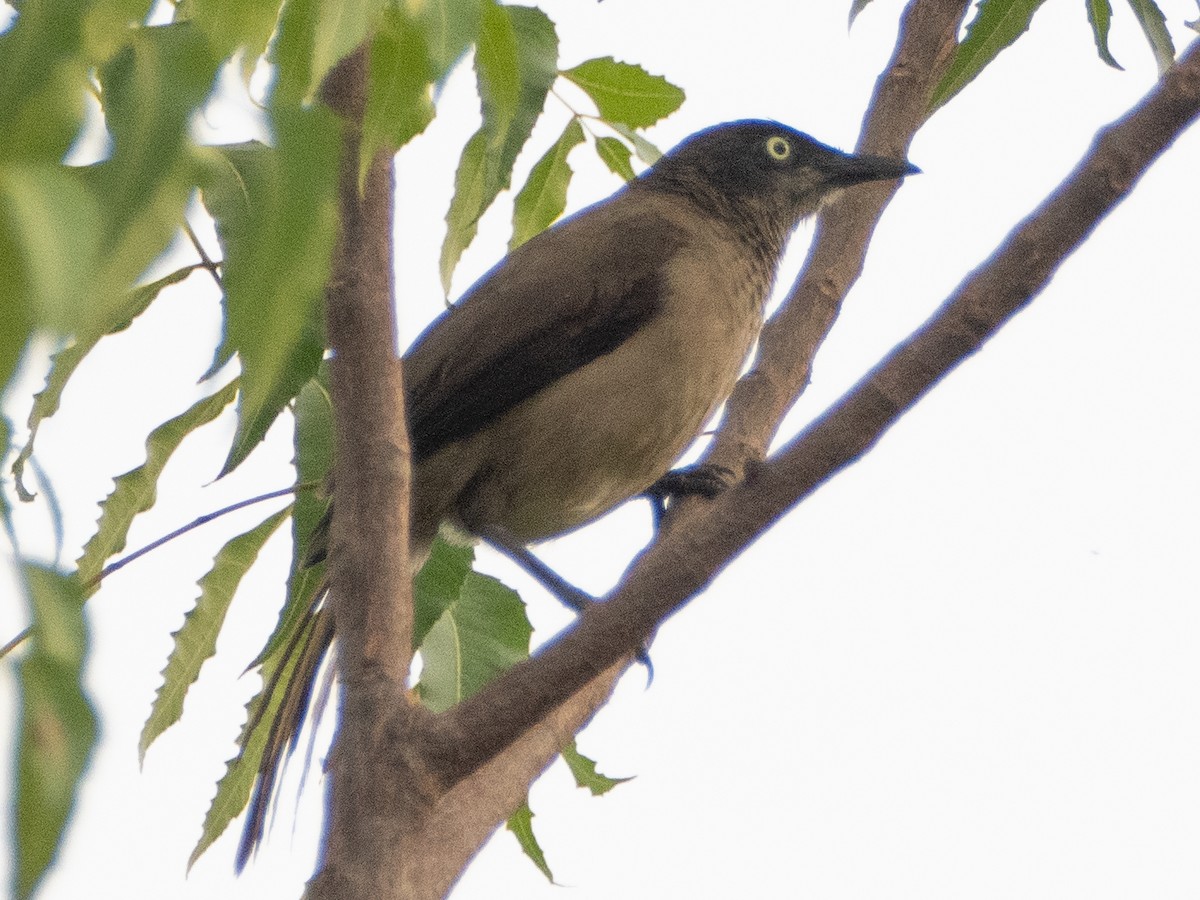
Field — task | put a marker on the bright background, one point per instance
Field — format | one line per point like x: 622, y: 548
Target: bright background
x: 966, y: 667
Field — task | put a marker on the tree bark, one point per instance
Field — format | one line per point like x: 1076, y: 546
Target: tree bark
x: 372, y: 819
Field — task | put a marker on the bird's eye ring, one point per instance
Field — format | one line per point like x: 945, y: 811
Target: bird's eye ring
x: 779, y: 148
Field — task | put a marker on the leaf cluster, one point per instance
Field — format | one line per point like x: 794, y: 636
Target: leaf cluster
x: 77, y: 238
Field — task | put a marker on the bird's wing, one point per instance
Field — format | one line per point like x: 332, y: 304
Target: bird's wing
x: 558, y: 302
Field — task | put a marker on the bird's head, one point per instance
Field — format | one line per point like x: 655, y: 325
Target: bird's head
x: 764, y: 169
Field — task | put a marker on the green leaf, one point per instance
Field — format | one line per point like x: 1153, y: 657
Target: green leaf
x: 438, y: 584
x: 498, y: 69
x: 481, y: 634
x: 50, y: 226
x: 487, y: 160
x: 67, y: 360
x: 520, y: 824
x: 544, y: 196
x: 314, y: 35
x: 646, y: 151
x: 276, y: 218
x: 150, y: 90
x: 135, y: 491
x: 997, y: 25
x: 855, y: 8
x: 196, y: 640
x: 449, y: 27
x: 107, y: 26
x: 1099, y: 13
x: 585, y: 773
x: 58, y: 724
x: 1154, y: 26
x: 624, y: 92
x: 466, y: 206
x: 616, y: 155
x: 228, y: 26
x: 42, y: 79
x: 399, y: 98
x: 313, y: 445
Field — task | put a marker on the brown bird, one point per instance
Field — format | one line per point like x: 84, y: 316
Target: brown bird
x: 576, y: 372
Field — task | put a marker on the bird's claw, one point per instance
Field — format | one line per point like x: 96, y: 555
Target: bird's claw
x: 702, y: 480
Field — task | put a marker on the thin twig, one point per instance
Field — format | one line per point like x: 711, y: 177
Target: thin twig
x: 205, y: 260
x: 154, y: 545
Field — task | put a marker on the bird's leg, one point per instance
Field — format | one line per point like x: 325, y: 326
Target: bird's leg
x: 566, y: 593
x: 701, y: 480
x: 570, y: 596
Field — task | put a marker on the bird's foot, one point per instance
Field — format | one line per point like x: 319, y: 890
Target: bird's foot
x: 702, y: 480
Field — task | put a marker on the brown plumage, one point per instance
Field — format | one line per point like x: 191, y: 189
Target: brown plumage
x: 573, y: 375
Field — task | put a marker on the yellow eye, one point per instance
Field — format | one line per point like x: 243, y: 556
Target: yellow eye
x: 778, y: 147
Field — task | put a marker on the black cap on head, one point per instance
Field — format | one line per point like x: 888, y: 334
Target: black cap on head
x: 759, y: 157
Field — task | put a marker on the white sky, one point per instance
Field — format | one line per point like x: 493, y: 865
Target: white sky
x: 967, y: 667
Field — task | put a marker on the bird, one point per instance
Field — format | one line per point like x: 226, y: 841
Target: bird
x: 575, y: 373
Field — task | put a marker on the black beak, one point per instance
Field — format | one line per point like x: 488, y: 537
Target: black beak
x: 844, y: 169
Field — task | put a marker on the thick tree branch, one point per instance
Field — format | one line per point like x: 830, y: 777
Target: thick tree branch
x: 371, y: 817
x: 690, y: 554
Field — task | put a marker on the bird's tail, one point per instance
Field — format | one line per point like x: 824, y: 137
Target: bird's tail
x: 293, y: 681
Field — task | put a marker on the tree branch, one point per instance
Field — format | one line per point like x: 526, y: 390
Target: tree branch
x: 371, y: 817
x: 790, y: 340
x: 705, y: 539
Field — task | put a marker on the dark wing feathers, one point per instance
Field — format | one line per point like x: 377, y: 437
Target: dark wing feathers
x: 558, y: 302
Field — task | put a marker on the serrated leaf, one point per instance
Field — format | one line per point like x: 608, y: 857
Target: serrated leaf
x: 646, y: 151
x: 466, y: 205
x: 196, y: 640
x: 624, y: 92
x: 135, y: 491
x: 58, y: 724
x: 544, y: 196
x: 487, y: 160
x: 482, y: 633
x: 399, y: 96
x: 1099, y: 13
x: 616, y: 155
x: 1154, y: 26
x: 276, y: 216
x: 64, y: 363
x: 586, y: 775
x: 855, y: 8
x: 520, y: 824
x: 996, y: 26
x: 497, y: 69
